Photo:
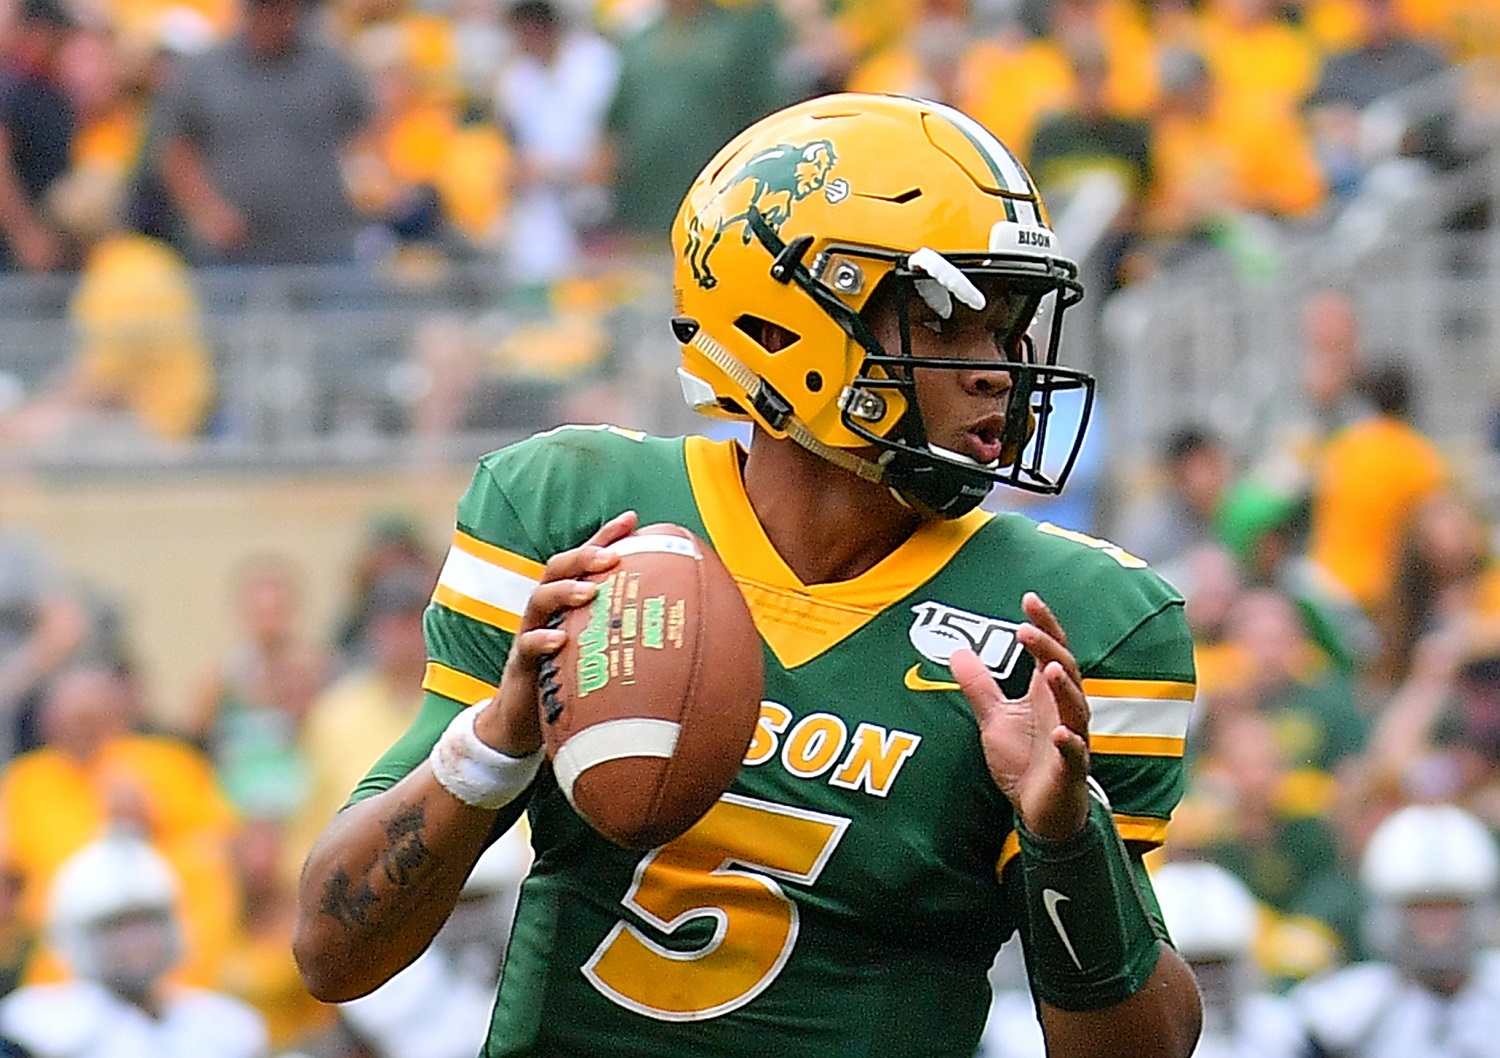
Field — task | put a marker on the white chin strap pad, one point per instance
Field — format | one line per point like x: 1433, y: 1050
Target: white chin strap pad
x: 959, y: 457
x: 696, y: 393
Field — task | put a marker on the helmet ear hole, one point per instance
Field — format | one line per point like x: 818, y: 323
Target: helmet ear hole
x: 814, y: 382
x: 772, y: 337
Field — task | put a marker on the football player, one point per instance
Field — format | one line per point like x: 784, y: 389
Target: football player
x: 1214, y: 921
x: 972, y: 723
x: 1431, y: 877
x: 112, y: 914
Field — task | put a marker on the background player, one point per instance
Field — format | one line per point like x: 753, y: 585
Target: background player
x: 113, y: 915
x: 1431, y: 876
x: 1214, y: 920
x: 859, y: 277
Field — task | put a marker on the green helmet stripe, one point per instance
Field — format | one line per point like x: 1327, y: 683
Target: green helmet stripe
x: 1010, y: 175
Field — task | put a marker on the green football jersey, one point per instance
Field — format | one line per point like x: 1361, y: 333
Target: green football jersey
x: 848, y: 894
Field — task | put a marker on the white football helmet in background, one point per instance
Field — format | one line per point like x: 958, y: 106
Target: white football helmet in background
x: 1209, y: 912
x: 1432, y: 876
x: 1212, y: 918
x: 112, y: 913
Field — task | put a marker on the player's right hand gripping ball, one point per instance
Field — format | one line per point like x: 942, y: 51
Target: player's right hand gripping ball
x: 649, y: 709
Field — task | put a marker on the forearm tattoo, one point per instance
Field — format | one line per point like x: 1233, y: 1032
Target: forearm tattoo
x: 406, y: 851
x: 349, y: 904
x: 348, y: 900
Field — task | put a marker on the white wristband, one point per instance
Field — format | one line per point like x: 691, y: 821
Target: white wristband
x: 475, y: 772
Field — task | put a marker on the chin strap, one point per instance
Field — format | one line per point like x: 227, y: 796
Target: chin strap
x: 763, y: 396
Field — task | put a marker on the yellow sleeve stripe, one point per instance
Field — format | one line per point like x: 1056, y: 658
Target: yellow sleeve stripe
x: 497, y: 556
x: 1137, y: 745
x: 1141, y: 689
x: 459, y: 686
x: 1131, y: 828
x: 476, y: 609
x: 486, y: 583
x: 1147, y: 829
x: 1009, y: 850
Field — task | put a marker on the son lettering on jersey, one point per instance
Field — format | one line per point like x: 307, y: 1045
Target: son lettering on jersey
x: 868, y: 760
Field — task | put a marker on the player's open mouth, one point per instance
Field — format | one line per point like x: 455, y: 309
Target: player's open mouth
x: 982, y: 440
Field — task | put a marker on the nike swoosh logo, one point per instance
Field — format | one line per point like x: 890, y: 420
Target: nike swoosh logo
x: 915, y: 681
x: 1050, y: 899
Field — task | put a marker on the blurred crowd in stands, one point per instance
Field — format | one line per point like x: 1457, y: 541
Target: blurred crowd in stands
x: 142, y: 139
x: 195, y: 830
x: 1343, y: 586
x: 284, y: 131
x: 1342, y: 583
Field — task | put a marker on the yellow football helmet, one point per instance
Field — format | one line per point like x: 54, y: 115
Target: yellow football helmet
x: 800, y: 218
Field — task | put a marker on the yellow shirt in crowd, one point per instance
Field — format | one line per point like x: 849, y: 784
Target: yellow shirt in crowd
x: 1007, y: 87
x: 1235, y: 157
x: 140, y: 343
x: 348, y: 729
x: 1266, y: 62
x: 1371, y: 477
x: 52, y: 805
x: 110, y: 142
x: 468, y: 164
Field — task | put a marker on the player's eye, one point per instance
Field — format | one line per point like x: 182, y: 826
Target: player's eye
x: 1008, y: 344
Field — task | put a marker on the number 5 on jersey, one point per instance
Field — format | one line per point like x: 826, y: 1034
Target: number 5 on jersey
x: 699, y: 876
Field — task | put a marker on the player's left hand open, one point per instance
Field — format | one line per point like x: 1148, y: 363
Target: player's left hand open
x: 1036, y: 745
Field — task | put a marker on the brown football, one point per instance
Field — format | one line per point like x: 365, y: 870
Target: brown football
x: 649, y: 709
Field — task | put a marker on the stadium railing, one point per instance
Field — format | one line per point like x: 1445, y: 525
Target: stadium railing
x: 318, y: 367
x: 1214, y: 341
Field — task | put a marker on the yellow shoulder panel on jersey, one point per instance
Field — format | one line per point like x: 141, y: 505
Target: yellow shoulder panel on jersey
x: 801, y: 621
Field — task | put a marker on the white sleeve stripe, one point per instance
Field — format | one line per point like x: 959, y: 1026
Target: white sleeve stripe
x: 486, y: 582
x: 1140, y: 717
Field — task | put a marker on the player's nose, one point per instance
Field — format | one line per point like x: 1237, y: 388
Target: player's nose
x: 987, y: 376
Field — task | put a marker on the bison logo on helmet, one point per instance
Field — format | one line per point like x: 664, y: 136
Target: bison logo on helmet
x: 777, y: 178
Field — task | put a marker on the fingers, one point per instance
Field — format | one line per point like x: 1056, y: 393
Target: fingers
x: 1071, y: 703
x: 561, y: 586
x: 510, y: 721
x: 616, y: 529
x: 984, y: 694
x: 1074, y: 749
x: 1043, y: 620
x: 593, y: 555
x: 1046, y: 641
x: 974, y: 679
x: 531, y: 647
